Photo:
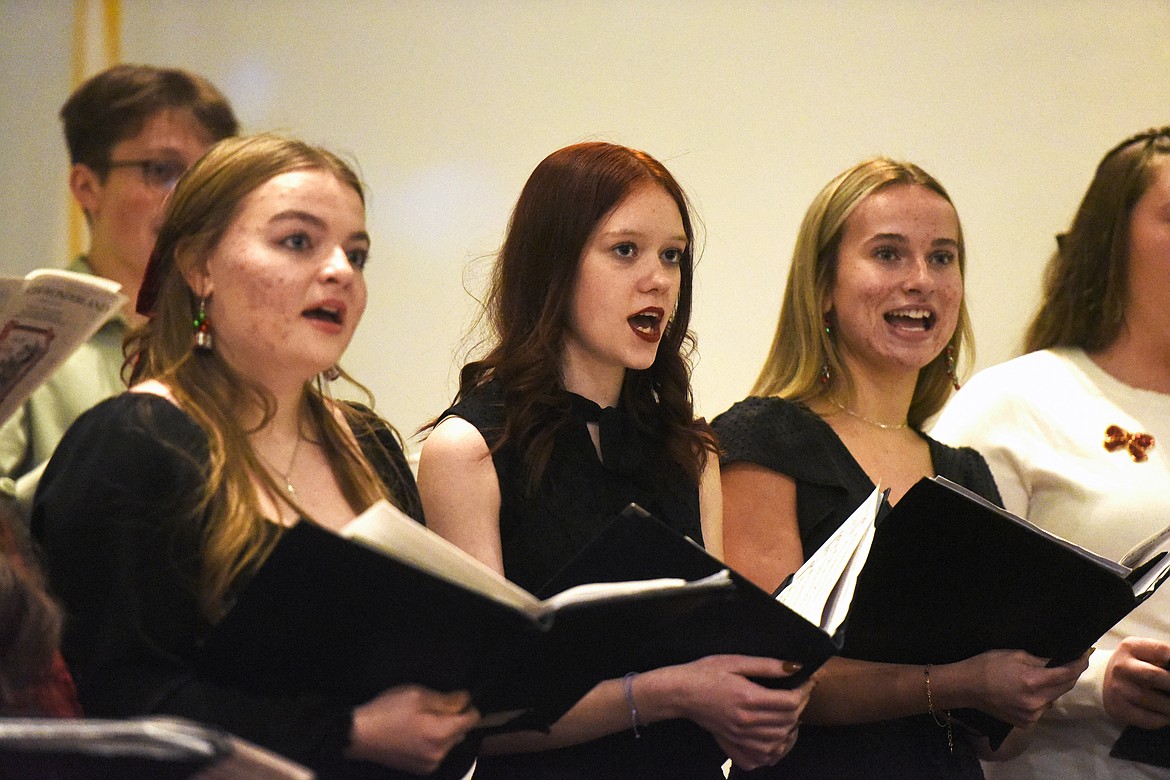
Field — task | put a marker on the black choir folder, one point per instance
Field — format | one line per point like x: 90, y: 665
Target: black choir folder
x: 1149, y: 746
x: 158, y: 748
x: 395, y: 603
x: 950, y: 575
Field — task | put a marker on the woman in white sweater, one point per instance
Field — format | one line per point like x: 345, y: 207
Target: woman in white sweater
x: 1077, y: 434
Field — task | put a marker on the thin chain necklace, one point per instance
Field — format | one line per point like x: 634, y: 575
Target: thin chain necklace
x: 288, y: 485
x: 864, y: 419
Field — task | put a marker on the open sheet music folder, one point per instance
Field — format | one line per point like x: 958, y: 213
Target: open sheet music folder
x: 347, y: 618
x: 950, y: 575
x: 750, y: 623
x: 404, y: 605
x: 822, y: 589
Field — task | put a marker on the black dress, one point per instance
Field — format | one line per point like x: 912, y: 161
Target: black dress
x: 540, y: 532
x: 790, y: 439
x: 113, y: 513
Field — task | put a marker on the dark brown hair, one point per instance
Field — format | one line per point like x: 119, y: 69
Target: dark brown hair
x: 115, y: 104
x: 530, y: 295
x: 1086, y: 280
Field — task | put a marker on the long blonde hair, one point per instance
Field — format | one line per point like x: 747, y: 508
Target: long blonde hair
x: 236, y: 538
x: 801, y: 347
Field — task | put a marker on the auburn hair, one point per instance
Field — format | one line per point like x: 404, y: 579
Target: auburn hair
x: 530, y: 295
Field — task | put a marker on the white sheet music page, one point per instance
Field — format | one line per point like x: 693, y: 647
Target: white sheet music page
x: 822, y: 589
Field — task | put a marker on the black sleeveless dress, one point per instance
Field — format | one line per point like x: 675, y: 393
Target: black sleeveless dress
x: 790, y: 439
x: 542, y: 530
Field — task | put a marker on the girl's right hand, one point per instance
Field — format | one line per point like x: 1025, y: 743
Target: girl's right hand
x: 1137, y: 683
x: 411, y: 728
x: 755, y: 725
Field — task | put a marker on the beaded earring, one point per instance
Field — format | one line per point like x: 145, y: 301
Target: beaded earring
x: 950, y: 353
x: 332, y: 374
x: 204, y: 341
x: 826, y: 374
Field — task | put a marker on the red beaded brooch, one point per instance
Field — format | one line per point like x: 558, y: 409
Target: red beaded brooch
x: 1138, y: 444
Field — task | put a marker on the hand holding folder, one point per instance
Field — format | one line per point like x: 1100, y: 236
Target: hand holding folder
x: 1137, y: 696
x: 395, y: 603
x: 346, y: 618
x: 950, y: 575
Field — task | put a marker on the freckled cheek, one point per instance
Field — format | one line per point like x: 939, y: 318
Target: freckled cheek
x: 954, y: 291
x: 876, y: 302
x: 361, y: 300
x: 262, y: 306
x: 264, y: 295
x: 951, y: 302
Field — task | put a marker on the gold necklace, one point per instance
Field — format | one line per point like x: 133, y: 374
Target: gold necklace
x: 864, y: 419
x: 288, y: 485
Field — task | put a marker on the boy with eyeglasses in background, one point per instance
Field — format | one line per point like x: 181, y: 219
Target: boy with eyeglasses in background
x: 131, y: 130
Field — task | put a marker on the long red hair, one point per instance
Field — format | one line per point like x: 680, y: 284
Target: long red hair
x: 530, y: 295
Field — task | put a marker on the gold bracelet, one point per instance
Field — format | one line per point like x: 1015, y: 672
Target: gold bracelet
x: 946, y: 722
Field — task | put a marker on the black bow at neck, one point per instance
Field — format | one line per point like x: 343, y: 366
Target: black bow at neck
x: 620, y: 446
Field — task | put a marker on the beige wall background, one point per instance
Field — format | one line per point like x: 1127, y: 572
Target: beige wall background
x: 448, y: 105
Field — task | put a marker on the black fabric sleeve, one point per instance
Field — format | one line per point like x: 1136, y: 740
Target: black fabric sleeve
x: 114, y: 515
x: 782, y: 436
x: 789, y: 439
x: 748, y: 432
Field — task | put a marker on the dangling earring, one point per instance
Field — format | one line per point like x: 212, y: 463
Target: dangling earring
x: 950, y: 353
x: 826, y: 375
x: 332, y: 374
x: 203, y: 338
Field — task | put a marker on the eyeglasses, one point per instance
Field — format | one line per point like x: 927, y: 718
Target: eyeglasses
x: 157, y: 173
